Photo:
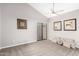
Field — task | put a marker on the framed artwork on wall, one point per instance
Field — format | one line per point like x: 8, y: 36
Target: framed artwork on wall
x: 21, y: 24
x: 57, y: 26
x: 70, y: 25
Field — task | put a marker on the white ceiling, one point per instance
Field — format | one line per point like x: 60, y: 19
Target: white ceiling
x: 45, y: 8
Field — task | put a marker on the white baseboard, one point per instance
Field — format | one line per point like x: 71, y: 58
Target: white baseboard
x: 17, y: 44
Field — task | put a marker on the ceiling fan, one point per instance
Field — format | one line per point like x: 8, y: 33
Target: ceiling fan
x: 55, y: 12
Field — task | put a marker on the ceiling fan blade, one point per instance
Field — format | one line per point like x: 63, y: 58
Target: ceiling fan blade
x: 55, y: 14
x: 59, y: 11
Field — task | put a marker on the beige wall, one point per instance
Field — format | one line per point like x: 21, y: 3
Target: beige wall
x: 64, y: 34
x: 11, y: 36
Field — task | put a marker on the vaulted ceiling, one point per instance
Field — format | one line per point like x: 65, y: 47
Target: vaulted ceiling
x: 45, y: 8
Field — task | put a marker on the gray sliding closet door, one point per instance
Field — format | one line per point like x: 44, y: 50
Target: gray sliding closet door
x: 44, y: 31
x: 41, y: 31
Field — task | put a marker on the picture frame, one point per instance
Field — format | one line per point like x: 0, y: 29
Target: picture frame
x: 21, y: 23
x: 70, y: 25
x: 57, y: 26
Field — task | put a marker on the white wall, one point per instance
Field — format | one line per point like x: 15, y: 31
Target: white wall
x: 11, y: 36
x: 64, y: 34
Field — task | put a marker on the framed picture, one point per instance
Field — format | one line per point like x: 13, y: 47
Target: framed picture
x: 70, y: 25
x: 57, y: 26
x: 21, y: 24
